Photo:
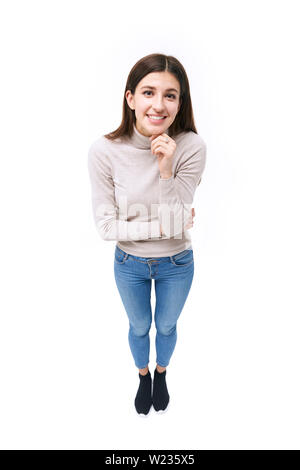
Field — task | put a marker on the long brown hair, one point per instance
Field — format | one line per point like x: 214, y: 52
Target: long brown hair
x: 184, y: 120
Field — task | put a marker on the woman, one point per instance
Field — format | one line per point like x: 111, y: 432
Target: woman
x: 143, y: 178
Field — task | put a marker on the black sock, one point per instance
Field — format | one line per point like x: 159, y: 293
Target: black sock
x: 143, y: 399
x: 161, y: 396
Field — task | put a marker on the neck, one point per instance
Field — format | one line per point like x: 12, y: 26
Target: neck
x: 141, y: 141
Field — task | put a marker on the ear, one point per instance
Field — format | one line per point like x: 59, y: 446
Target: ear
x: 130, y: 99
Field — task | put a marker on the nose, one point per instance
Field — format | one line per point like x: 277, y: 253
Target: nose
x: 158, y: 104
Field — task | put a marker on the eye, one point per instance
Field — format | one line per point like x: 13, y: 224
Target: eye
x: 149, y: 91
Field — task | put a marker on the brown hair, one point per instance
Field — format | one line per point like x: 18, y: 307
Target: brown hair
x: 184, y: 120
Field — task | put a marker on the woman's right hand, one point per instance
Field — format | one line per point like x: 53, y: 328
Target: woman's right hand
x: 190, y: 221
x: 189, y: 224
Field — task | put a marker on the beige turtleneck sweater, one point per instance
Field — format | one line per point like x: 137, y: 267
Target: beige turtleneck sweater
x: 130, y: 200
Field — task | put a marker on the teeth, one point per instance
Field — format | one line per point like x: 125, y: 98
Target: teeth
x: 156, y: 117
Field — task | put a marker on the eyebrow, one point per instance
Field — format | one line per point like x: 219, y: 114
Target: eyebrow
x: 153, y: 88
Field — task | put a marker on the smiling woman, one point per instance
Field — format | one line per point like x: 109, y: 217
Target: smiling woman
x: 143, y: 177
x: 153, y: 102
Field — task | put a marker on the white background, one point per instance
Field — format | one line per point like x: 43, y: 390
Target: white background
x: 68, y: 379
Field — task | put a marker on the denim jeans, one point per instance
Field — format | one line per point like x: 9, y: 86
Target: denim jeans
x: 173, y: 276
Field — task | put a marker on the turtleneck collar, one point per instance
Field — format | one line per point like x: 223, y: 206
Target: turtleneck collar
x: 141, y: 141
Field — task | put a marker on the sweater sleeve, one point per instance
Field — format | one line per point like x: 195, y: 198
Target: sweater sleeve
x: 105, y: 211
x: 177, y: 192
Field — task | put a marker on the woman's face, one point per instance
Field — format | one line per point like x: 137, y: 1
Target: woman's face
x: 156, y: 94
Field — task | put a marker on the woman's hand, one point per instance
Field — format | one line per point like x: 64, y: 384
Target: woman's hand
x: 190, y: 221
x: 164, y: 148
x: 189, y: 224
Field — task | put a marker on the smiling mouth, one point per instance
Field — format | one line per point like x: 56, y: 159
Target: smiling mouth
x: 156, y: 118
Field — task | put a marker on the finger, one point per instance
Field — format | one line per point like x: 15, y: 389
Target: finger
x: 155, y: 143
x: 161, y: 145
x: 160, y: 137
x: 153, y: 136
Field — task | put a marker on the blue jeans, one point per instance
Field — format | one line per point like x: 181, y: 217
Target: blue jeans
x: 173, y: 277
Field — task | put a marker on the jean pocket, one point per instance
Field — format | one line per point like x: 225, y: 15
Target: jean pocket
x: 184, y: 258
x: 120, y: 256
